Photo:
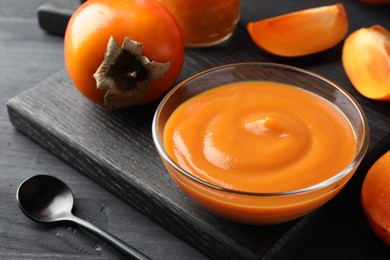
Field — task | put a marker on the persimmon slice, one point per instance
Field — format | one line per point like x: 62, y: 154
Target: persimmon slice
x: 302, y: 32
x: 375, y: 197
x: 366, y: 61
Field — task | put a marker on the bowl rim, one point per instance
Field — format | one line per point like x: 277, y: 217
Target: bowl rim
x: 323, y: 184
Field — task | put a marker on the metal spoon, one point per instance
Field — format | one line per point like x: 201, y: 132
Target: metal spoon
x: 46, y: 199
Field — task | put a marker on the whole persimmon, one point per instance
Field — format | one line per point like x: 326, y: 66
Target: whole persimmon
x: 123, y: 53
x: 375, y: 197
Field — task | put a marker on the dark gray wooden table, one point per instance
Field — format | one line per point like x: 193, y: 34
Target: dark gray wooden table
x: 29, y: 55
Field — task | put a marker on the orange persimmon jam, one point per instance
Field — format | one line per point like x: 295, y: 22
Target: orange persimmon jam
x: 204, y: 22
x: 258, y: 137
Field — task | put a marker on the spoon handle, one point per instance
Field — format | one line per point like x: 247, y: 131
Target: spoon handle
x: 109, y: 238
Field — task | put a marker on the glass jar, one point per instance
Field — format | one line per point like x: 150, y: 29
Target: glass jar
x: 204, y: 23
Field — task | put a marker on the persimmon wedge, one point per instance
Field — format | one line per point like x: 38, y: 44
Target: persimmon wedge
x: 302, y: 32
x: 375, y: 197
x: 366, y: 61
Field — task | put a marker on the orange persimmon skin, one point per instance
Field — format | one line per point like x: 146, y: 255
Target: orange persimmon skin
x: 144, y: 21
x: 366, y: 61
x: 302, y: 32
x: 375, y: 197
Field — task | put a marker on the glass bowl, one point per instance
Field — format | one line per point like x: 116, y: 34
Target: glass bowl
x: 259, y: 207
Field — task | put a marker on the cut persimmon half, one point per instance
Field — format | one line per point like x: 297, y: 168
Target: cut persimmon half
x: 366, y: 61
x: 302, y: 32
x: 375, y: 197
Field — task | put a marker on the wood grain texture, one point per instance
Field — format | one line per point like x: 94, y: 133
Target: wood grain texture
x: 57, y: 117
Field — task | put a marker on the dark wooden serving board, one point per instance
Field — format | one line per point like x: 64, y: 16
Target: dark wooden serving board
x: 116, y: 150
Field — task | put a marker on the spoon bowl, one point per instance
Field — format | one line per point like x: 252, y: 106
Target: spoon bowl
x: 46, y: 199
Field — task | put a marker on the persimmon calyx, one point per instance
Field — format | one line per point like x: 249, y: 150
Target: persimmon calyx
x: 125, y: 73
